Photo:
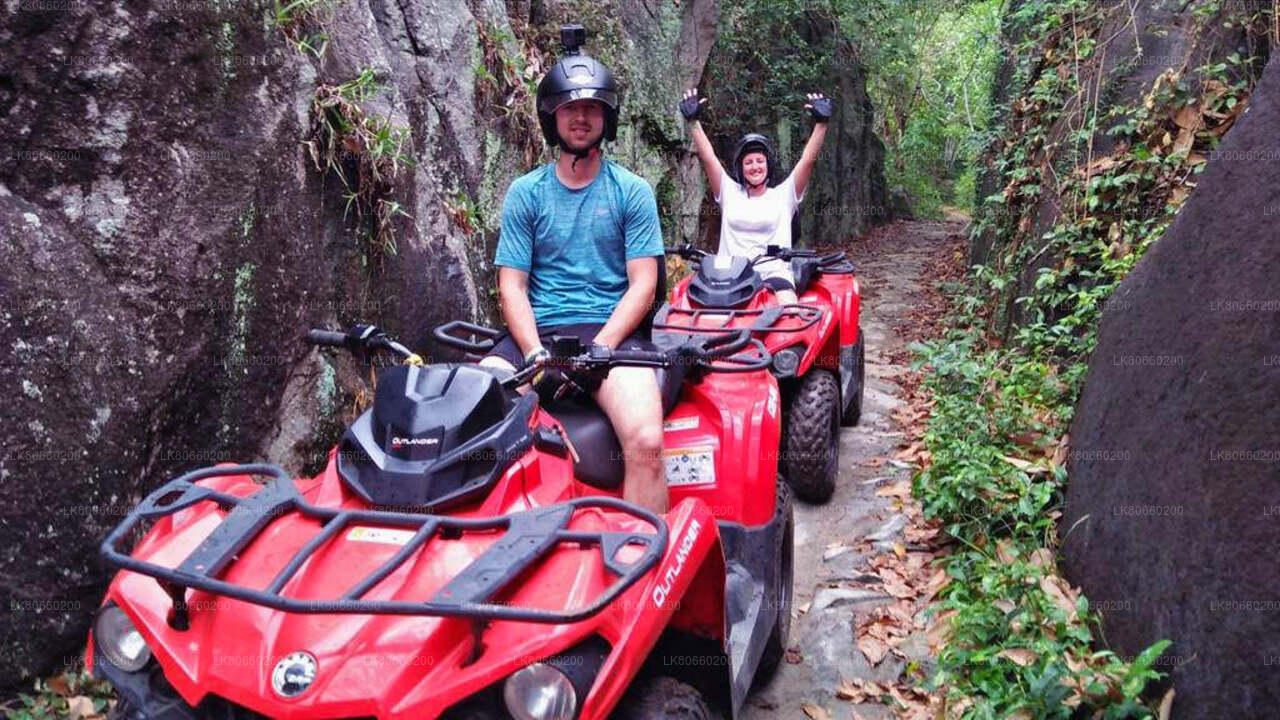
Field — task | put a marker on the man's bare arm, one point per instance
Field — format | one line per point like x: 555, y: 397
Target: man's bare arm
x: 517, y: 312
x: 642, y: 283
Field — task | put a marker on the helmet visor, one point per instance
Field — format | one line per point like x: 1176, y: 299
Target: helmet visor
x: 551, y: 103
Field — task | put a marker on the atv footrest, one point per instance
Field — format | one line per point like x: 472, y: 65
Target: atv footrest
x: 527, y: 537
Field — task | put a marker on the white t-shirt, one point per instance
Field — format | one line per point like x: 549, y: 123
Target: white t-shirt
x: 748, y: 225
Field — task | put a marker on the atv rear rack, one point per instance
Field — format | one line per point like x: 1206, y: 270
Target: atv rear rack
x: 528, y: 536
x: 767, y: 320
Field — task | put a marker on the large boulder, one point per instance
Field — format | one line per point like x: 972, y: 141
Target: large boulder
x: 1172, y: 517
x: 166, y: 238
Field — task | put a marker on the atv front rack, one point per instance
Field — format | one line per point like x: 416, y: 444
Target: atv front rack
x: 766, y: 320
x: 528, y: 536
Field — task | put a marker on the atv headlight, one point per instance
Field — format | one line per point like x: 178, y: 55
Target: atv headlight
x: 786, y: 361
x: 540, y: 692
x: 119, y: 641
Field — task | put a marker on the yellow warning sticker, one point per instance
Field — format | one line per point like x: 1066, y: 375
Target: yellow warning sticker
x: 385, y: 536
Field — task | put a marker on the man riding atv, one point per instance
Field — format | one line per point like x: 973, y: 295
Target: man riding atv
x: 579, y: 254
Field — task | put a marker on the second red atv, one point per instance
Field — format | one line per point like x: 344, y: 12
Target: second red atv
x: 466, y: 555
x: 817, y: 346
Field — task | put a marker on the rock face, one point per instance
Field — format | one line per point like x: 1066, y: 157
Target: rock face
x: 1136, y: 44
x: 1172, y: 504
x: 167, y: 238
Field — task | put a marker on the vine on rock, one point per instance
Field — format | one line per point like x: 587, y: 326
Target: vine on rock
x: 366, y: 151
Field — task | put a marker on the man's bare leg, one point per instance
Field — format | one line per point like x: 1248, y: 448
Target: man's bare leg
x: 633, y: 402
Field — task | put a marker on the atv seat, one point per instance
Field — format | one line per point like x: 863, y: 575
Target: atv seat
x: 599, y: 461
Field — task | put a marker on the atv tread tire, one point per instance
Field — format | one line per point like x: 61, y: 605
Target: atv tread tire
x: 813, y: 437
x: 662, y: 698
x: 853, y: 413
x: 776, y: 646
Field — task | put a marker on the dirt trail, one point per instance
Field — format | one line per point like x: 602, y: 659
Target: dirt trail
x: 832, y: 583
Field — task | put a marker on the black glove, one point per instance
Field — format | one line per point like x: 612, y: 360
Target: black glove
x: 691, y: 105
x: 548, y: 381
x: 819, y: 107
x: 589, y: 380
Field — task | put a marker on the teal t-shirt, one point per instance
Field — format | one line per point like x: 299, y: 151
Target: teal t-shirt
x: 575, y: 244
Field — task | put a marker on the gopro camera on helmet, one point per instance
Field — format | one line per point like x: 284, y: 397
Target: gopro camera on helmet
x: 572, y: 37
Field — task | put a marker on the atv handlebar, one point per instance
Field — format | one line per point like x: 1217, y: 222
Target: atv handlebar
x: 359, y: 340
x: 326, y: 338
x: 687, y: 251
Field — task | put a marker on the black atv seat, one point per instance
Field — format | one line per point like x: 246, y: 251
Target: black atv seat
x: 600, y: 461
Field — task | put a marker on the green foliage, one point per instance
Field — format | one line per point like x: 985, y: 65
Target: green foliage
x: 1020, y: 642
x: 367, y: 152
x: 299, y: 21
x: 71, y: 692
x: 930, y: 65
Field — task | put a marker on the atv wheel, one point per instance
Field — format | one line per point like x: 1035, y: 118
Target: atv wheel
x: 662, y: 698
x: 812, y: 437
x: 776, y: 646
x: 854, y: 412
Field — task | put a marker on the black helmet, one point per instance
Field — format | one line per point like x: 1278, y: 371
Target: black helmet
x: 755, y: 142
x: 576, y: 77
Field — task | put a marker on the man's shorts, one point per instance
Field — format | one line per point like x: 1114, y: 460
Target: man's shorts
x: 507, y: 349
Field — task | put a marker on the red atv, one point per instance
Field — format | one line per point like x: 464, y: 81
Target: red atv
x: 466, y: 555
x: 816, y: 344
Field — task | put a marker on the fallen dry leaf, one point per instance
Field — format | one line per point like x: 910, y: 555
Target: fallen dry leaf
x: 937, y: 632
x: 1189, y: 117
x: 58, y: 684
x: 1020, y: 656
x: 873, y: 648
x: 815, y: 712
x: 1004, y: 552
x: 1024, y: 465
x: 1186, y: 138
x: 1060, y: 593
x: 901, y: 489
x: 79, y: 707
x: 852, y: 693
x: 1062, y: 452
x: 1042, y: 557
x: 1166, y: 705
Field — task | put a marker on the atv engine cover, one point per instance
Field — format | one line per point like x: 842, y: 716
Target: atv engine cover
x: 436, y: 436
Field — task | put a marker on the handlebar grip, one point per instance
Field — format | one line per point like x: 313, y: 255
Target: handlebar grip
x: 647, y: 357
x: 327, y: 338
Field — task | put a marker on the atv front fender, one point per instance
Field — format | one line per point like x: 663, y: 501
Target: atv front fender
x: 671, y: 597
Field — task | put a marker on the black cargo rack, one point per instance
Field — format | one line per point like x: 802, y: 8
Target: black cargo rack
x: 528, y: 536
x: 766, y: 319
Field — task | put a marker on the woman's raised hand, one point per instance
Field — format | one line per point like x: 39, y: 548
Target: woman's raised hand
x: 691, y: 105
x: 819, y: 107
